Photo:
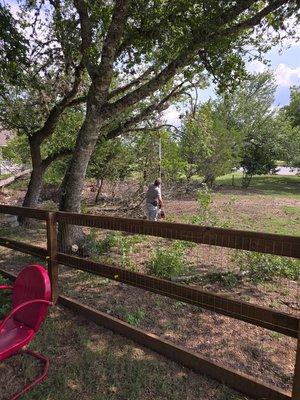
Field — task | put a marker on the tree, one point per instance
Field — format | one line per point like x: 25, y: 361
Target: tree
x: 249, y: 112
x: 137, y: 55
x: 149, y: 164
x: 50, y: 81
x: 289, y: 118
x: 261, y: 151
x: 54, y: 81
x: 293, y: 108
x: 52, y: 149
x: 110, y: 160
x: 207, y: 145
x: 158, y: 43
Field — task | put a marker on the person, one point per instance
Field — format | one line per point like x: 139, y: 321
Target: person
x: 154, y: 200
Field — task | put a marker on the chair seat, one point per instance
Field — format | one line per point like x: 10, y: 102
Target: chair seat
x: 13, y: 337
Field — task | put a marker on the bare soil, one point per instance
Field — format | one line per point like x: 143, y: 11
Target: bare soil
x: 256, y: 351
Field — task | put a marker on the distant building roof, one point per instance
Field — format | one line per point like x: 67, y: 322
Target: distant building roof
x: 4, y: 136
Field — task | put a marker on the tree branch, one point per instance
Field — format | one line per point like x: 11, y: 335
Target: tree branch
x: 86, y: 36
x: 110, y: 45
x: 187, y: 54
x: 158, y: 106
x: 53, y: 157
x: 58, y: 109
x: 256, y: 19
x: 154, y: 128
x: 131, y: 84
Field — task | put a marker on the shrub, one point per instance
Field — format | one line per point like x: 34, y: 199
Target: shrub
x: 204, y: 199
x: 124, y: 243
x: 205, y: 214
x: 100, y: 247
x: 265, y: 267
x: 5, y: 303
x: 169, y: 262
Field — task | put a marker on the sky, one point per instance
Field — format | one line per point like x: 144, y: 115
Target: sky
x: 285, y: 64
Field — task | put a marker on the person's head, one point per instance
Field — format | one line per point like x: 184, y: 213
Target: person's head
x: 157, y: 182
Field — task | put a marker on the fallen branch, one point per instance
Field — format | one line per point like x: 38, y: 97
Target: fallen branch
x: 13, y: 178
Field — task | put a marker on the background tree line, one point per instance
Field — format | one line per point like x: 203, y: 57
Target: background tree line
x: 239, y: 129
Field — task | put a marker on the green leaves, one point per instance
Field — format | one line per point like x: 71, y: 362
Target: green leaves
x: 293, y: 109
x: 13, y: 51
x: 207, y: 145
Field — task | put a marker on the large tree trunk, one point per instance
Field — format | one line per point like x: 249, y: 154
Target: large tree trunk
x: 71, y: 237
x: 34, y: 188
x: 35, y: 183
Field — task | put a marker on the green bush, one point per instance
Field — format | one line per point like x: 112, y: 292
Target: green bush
x: 5, y: 302
x: 204, y: 199
x: 125, y: 245
x: 169, y: 262
x: 205, y: 214
x: 100, y: 247
x: 265, y: 267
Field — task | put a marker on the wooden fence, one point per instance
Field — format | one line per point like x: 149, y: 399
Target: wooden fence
x: 260, y: 316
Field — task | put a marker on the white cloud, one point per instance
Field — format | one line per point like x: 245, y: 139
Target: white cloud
x: 256, y: 66
x: 286, y: 76
x: 171, y: 115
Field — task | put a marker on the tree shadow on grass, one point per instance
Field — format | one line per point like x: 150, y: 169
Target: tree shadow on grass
x: 88, y: 362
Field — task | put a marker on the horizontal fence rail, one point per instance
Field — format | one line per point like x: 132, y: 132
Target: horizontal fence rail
x: 281, y: 245
x: 24, y: 212
x: 237, y: 380
x: 236, y: 239
x: 242, y: 382
x: 256, y: 315
x: 24, y: 247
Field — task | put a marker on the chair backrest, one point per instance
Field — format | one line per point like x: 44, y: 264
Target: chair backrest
x: 32, y: 283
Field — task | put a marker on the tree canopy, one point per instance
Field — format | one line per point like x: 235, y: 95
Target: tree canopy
x: 123, y: 61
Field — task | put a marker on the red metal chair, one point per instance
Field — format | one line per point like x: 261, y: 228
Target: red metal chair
x: 31, y: 295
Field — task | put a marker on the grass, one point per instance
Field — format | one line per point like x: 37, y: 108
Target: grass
x: 275, y: 185
x: 4, y: 299
x: 90, y: 363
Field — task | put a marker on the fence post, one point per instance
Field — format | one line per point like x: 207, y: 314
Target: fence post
x: 296, y: 384
x: 52, y: 254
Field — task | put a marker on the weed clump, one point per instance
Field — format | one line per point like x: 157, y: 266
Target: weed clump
x: 135, y: 318
x: 265, y: 267
x: 169, y: 262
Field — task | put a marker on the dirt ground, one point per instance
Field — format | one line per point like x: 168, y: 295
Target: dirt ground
x: 256, y: 351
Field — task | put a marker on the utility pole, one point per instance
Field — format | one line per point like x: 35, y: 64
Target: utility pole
x: 159, y: 155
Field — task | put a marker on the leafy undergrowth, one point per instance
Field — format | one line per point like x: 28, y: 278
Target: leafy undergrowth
x: 5, y: 303
x: 91, y: 363
x: 267, y: 268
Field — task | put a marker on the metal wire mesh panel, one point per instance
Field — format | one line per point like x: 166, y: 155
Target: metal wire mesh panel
x: 163, y: 280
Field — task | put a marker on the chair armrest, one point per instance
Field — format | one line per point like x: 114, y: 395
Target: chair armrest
x: 6, y: 287
x: 20, y: 307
